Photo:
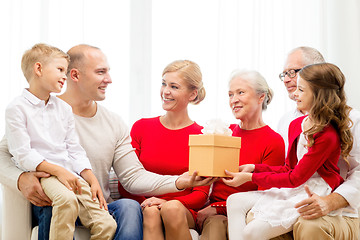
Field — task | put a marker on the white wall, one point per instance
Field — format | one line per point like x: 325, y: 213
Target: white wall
x: 344, y: 44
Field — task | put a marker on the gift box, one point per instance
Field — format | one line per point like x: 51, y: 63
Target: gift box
x: 211, y: 154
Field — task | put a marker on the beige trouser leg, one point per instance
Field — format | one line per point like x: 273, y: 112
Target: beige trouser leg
x: 327, y: 227
x: 215, y: 228
x: 101, y: 224
x: 65, y: 208
x: 286, y: 236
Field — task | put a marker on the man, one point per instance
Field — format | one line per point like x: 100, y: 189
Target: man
x: 315, y: 223
x: 105, y: 138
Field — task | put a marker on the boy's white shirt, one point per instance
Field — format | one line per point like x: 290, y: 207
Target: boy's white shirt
x: 106, y: 139
x: 36, y: 131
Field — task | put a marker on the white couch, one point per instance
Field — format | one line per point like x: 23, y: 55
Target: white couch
x: 15, y: 222
x: 16, y: 219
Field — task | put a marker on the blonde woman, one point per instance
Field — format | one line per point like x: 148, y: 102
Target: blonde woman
x: 161, y: 144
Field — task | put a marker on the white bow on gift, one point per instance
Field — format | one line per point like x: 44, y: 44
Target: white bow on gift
x: 217, y: 126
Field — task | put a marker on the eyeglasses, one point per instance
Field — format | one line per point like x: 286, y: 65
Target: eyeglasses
x: 291, y: 74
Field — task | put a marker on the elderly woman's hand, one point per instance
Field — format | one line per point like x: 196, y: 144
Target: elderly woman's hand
x: 237, y: 179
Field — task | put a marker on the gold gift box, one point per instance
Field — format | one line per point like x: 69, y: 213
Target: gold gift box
x: 211, y: 154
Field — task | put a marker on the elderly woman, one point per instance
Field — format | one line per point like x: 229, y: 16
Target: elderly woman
x: 249, y: 95
x: 161, y: 144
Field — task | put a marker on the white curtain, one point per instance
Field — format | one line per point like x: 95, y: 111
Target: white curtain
x: 140, y: 37
x: 254, y: 34
x: 65, y: 23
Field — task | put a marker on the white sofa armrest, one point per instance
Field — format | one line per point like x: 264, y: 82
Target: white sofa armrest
x: 16, y: 215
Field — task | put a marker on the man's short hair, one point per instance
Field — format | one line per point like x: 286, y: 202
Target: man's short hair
x: 77, y: 54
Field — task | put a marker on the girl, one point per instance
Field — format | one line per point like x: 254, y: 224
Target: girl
x: 315, y: 144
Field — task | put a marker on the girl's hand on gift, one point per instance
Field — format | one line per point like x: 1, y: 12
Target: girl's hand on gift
x: 153, y: 201
x: 247, y: 168
x: 236, y: 179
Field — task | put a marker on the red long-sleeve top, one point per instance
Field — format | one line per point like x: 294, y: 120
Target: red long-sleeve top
x: 262, y: 145
x: 166, y: 152
x: 322, y: 157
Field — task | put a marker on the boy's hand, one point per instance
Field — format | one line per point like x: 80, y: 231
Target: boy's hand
x: 237, y: 179
x: 69, y: 180
x: 96, y: 193
x: 65, y: 177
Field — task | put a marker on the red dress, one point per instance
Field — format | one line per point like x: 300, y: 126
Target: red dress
x: 166, y: 152
x: 262, y: 145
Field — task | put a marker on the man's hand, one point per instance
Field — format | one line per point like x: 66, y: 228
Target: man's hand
x: 316, y: 206
x: 203, y: 214
x: 29, y: 186
x: 186, y: 181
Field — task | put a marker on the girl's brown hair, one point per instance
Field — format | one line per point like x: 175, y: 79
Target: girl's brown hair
x: 327, y: 84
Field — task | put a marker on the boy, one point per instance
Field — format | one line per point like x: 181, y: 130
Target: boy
x: 41, y: 136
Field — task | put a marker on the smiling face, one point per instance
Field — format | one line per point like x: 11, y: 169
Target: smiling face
x: 53, y: 74
x: 244, y: 102
x: 94, y: 75
x: 49, y: 77
x: 304, y: 96
x: 293, y: 61
x: 174, y: 92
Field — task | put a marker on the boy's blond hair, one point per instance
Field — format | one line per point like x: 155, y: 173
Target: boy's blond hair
x: 40, y: 53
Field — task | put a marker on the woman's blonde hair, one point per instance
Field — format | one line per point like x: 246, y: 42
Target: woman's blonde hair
x: 327, y: 84
x: 258, y: 82
x: 190, y: 72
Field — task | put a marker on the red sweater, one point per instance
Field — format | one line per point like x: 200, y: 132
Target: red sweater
x: 322, y: 157
x: 166, y: 152
x: 262, y: 145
